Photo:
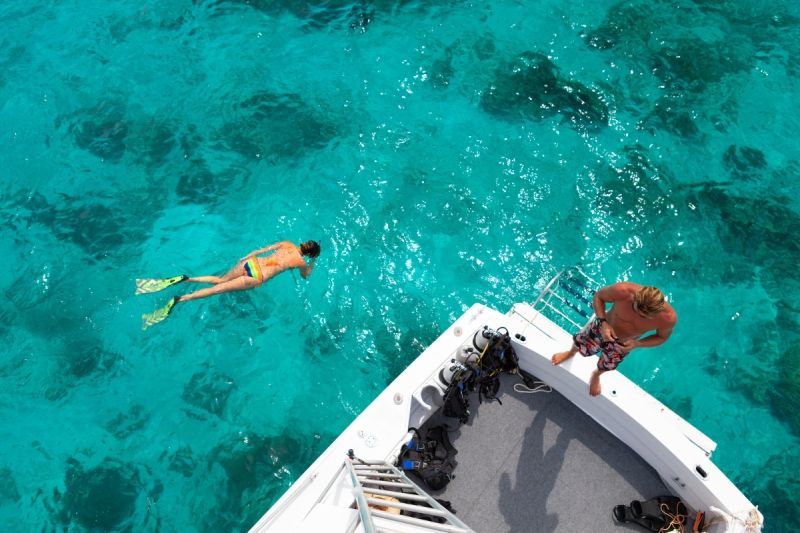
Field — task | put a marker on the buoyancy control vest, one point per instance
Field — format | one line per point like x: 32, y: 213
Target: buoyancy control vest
x: 430, y: 456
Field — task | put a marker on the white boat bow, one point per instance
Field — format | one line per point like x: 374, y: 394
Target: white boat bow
x: 324, y: 497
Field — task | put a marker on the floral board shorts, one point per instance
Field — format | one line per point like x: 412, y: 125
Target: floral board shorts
x: 589, y: 341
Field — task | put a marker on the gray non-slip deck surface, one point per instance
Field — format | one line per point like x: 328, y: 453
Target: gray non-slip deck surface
x: 537, y: 463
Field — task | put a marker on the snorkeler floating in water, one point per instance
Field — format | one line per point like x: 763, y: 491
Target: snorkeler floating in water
x: 250, y: 272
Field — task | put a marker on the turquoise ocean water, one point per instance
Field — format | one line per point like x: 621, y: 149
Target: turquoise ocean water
x: 443, y: 153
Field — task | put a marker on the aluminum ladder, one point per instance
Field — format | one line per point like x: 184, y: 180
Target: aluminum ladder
x: 375, y: 478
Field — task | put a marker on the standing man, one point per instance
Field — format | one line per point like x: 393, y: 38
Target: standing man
x: 635, y: 310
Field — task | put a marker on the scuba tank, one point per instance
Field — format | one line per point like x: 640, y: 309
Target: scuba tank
x: 454, y: 371
x: 466, y: 356
x: 482, y: 337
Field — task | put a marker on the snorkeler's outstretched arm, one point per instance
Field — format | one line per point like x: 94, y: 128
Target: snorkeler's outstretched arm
x: 306, y: 269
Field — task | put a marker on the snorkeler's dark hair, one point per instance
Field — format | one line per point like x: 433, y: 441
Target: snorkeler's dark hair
x: 310, y: 248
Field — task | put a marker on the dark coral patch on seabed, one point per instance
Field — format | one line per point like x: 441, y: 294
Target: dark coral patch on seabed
x: 103, y: 497
x: 692, y: 73
x: 763, y: 241
x: 125, y: 424
x: 82, y: 358
x: 209, y: 390
x: 8, y: 486
x: 181, y: 461
x: 744, y: 162
x: 274, y: 126
x: 101, y: 130
x: 524, y: 88
x: 86, y: 356
x: 100, y: 226
x: 442, y: 71
x: 247, y: 460
x: 784, y: 395
x: 360, y: 18
x: 531, y: 88
x: 635, y: 189
x: 314, y: 15
x: 671, y: 113
x: 691, y: 64
x: 153, y: 142
x: 199, y: 185
x: 625, y: 23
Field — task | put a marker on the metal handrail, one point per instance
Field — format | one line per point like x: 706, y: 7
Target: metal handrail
x: 567, y: 295
x: 361, y: 501
x: 278, y: 509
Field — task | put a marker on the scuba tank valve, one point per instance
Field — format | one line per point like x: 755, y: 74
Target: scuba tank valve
x: 454, y: 369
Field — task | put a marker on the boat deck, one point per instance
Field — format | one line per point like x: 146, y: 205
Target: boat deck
x: 538, y: 463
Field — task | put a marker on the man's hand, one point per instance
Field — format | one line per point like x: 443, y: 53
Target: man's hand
x: 628, y: 345
x: 607, y: 332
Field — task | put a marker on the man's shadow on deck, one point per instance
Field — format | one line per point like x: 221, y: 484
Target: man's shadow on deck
x: 534, y: 466
x: 524, y: 505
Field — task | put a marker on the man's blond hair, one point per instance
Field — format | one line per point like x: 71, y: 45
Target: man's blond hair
x: 649, y: 300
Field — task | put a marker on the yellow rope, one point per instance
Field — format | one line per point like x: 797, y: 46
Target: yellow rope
x: 752, y: 522
x: 478, y: 362
x: 676, y: 520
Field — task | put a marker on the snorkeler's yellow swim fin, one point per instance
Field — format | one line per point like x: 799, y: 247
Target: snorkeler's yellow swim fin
x: 148, y: 319
x: 157, y: 284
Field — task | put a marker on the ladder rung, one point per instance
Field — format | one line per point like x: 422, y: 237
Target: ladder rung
x: 431, y: 526
x: 407, y: 507
x: 363, y: 475
x: 373, y: 467
x: 386, y: 483
x: 555, y: 310
x: 394, y: 494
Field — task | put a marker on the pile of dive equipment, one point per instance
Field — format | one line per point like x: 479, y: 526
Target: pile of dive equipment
x: 662, y: 513
x: 430, y: 456
x: 476, y: 366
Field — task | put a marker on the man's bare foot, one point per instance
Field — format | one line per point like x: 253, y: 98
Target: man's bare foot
x: 594, y: 385
x: 560, y: 357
